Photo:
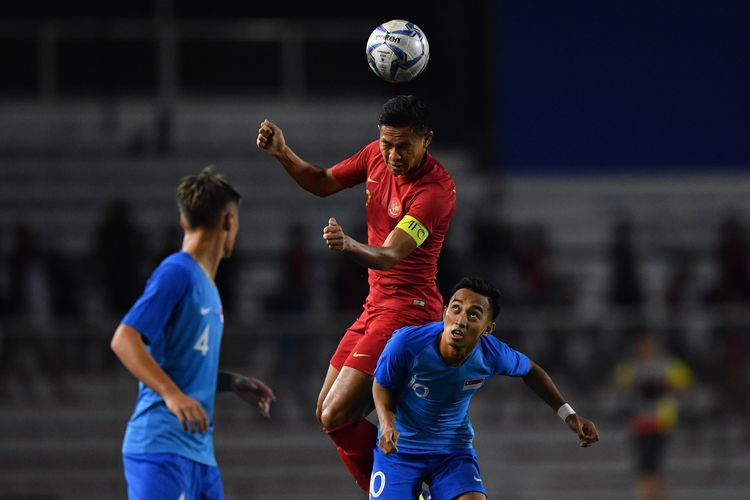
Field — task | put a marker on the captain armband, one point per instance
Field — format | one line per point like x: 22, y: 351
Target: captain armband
x: 413, y: 228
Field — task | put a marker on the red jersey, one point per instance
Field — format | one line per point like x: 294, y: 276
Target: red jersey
x: 426, y: 194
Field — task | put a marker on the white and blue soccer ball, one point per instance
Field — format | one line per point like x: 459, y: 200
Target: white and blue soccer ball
x: 397, y: 51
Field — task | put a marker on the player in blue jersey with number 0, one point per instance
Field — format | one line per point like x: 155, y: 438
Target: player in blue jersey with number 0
x: 169, y: 340
x: 424, y: 382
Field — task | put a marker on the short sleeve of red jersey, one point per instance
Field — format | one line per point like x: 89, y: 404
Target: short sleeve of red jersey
x: 433, y: 204
x: 353, y: 170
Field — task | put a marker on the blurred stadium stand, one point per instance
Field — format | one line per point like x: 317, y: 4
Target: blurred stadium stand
x: 104, y: 106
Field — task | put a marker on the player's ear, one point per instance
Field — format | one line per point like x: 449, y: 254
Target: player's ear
x: 445, y: 308
x: 490, y: 328
x: 428, y: 138
x: 228, y: 220
x: 184, y: 223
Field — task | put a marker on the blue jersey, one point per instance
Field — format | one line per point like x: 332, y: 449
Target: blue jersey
x: 432, y: 398
x: 180, y: 318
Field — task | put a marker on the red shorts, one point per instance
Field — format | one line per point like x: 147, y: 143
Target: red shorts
x: 364, y: 341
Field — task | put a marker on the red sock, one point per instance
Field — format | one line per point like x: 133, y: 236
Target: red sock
x: 355, y: 442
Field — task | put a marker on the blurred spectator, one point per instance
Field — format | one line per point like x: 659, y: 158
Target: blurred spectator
x: 543, y: 284
x: 494, y: 255
x: 119, y: 252
x: 732, y: 263
x: 681, y: 294
x: 31, y: 352
x: 295, y: 292
x: 625, y: 295
x: 731, y: 331
x: 733, y: 389
x: 650, y: 382
x: 625, y: 288
x: 292, y: 302
x: 30, y: 295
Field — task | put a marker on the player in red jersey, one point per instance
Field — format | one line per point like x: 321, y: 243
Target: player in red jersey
x: 410, y: 199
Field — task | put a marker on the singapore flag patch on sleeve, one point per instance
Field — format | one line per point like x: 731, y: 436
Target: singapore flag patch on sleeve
x: 470, y: 385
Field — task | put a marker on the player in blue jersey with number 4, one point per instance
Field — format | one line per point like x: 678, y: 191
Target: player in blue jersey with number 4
x: 169, y: 340
x: 424, y: 382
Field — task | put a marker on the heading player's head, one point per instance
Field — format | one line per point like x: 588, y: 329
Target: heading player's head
x: 207, y: 201
x: 471, y: 311
x: 405, y: 133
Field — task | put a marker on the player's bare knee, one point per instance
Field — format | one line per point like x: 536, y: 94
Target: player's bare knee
x: 319, y: 414
x: 332, y: 416
x: 328, y: 418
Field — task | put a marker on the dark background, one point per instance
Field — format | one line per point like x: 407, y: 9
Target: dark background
x: 527, y: 85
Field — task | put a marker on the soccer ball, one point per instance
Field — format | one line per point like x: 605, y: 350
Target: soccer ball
x: 397, y: 51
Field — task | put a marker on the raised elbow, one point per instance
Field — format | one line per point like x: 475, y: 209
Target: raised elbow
x: 119, y: 340
x: 115, y: 344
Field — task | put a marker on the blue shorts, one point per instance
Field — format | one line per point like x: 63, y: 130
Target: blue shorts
x: 398, y: 476
x: 167, y: 476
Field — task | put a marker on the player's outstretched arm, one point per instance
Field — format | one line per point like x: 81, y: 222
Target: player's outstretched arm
x: 395, y: 248
x: 251, y: 390
x: 129, y: 347
x: 385, y: 405
x: 541, y: 383
x: 318, y: 181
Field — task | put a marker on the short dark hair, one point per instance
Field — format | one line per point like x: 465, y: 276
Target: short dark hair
x: 482, y: 287
x: 406, y: 111
x: 202, y: 198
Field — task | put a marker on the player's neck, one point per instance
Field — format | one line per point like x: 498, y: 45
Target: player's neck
x: 452, y: 356
x: 205, y: 248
